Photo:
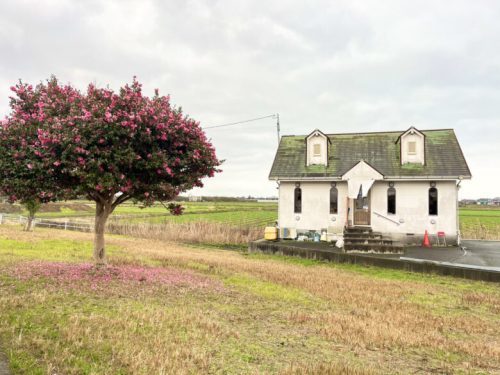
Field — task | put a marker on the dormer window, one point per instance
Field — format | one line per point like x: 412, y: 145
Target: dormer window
x: 412, y: 144
x: 317, y: 148
x: 412, y: 148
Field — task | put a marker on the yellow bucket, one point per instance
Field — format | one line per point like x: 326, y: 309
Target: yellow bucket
x: 271, y: 233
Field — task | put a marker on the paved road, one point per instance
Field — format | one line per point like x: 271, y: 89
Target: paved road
x: 475, y: 253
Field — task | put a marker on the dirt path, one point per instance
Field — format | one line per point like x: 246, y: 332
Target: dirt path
x: 4, y: 366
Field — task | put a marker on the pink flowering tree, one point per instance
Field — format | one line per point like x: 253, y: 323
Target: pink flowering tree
x: 24, y: 176
x: 117, y: 146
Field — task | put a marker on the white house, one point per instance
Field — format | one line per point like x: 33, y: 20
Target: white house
x: 397, y: 184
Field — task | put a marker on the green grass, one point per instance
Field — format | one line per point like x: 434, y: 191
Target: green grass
x: 261, y: 319
x: 237, y: 218
x: 49, y: 250
x: 233, y: 213
x: 40, y: 323
x: 269, y: 290
x: 480, y: 223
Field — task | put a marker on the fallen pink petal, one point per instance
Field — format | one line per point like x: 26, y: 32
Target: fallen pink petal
x: 68, y: 273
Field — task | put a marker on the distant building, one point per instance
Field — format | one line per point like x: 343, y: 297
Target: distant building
x: 195, y: 198
x: 484, y: 201
x: 467, y: 202
x: 496, y: 201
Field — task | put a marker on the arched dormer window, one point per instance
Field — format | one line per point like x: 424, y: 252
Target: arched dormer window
x: 433, y: 201
x: 334, y: 195
x: 391, y: 200
x: 297, y: 200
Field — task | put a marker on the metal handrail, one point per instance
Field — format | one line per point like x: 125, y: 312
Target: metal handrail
x: 387, y: 218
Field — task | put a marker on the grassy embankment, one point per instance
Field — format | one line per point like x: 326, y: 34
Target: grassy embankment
x: 168, y: 308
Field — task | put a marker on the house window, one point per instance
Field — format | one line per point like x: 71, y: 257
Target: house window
x: 334, y: 200
x: 297, y: 206
x: 391, y: 201
x: 412, y: 148
x: 433, y: 201
x: 316, y: 149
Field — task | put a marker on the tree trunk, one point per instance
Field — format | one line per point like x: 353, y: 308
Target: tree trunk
x: 102, y: 212
x: 29, y: 223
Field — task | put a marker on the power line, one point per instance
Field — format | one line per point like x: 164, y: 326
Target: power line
x: 274, y: 115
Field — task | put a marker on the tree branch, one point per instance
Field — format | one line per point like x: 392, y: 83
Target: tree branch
x: 122, y: 198
x: 96, y: 197
x: 163, y: 204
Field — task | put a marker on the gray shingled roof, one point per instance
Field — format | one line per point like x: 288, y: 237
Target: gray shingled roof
x: 443, y: 156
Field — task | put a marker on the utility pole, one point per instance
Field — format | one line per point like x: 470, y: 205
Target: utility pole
x: 278, y: 126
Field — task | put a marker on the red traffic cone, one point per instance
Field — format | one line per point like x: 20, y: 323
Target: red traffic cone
x: 426, y: 242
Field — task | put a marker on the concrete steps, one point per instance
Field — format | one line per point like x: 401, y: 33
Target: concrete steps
x: 364, y: 239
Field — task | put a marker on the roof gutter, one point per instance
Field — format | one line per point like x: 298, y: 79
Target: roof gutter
x: 427, y: 177
x: 398, y: 178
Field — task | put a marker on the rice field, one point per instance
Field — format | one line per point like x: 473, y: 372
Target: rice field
x: 475, y: 222
x: 480, y: 223
x: 250, y: 213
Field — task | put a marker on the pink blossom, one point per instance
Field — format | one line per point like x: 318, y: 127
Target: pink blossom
x: 57, y: 163
x: 30, y: 166
x: 86, y: 115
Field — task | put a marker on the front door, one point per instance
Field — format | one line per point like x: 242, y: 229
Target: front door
x: 362, y: 210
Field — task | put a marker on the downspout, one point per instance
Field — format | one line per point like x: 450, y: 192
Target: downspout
x: 279, y: 201
x: 459, y: 235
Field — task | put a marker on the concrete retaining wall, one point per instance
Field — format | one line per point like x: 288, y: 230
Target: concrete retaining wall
x: 372, y: 260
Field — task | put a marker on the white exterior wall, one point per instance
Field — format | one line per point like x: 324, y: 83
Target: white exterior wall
x: 412, y: 205
x: 315, y: 206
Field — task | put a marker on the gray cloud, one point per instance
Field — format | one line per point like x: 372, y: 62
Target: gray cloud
x: 340, y: 66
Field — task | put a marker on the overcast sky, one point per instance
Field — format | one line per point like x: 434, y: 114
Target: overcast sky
x: 340, y: 66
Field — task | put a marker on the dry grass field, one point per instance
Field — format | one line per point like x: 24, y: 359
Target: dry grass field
x: 165, y: 308
x: 223, y: 224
